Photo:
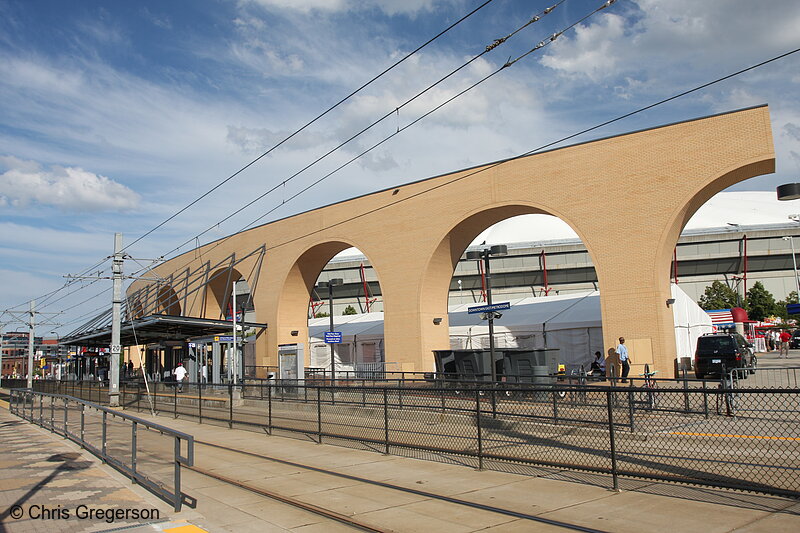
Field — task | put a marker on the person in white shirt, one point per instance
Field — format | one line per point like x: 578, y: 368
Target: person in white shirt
x: 180, y: 374
x: 624, y: 358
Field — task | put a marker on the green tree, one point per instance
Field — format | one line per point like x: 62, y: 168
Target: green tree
x: 718, y: 296
x: 791, y: 298
x: 760, y: 302
x: 350, y: 310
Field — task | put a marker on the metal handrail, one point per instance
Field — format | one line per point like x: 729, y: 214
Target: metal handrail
x: 20, y: 398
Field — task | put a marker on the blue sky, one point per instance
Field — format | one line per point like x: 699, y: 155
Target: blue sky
x: 114, y: 115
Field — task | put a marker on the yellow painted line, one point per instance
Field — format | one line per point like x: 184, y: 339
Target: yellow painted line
x: 191, y: 528
x: 733, y: 436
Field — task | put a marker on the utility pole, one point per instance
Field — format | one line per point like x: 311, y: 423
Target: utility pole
x: 116, y: 315
x: 31, y: 334
x: 234, y: 351
x: 116, y: 322
x: 29, y: 319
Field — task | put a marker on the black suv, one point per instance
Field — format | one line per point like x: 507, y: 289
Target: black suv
x: 718, y: 350
x: 794, y: 342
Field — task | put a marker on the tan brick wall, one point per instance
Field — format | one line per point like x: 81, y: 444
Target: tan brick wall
x: 627, y: 197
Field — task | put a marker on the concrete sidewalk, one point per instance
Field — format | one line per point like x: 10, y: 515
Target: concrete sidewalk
x: 569, y: 497
x: 47, y: 483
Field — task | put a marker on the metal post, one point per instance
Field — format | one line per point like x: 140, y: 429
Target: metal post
x: 555, y: 406
x: 705, y: 399
x: 66, y: 417
x: 319, y: 416
x: 178, y: 495
x: 331, y: 329
x: 685, y: 392
x: 491, y: 320
x: 631, y: 419
x: 116, y: 308
x: 175, y: 400
x: 790, y: 238
x: 230, y: 406
x: 105, y: 421
x: 478, y: 427
x: 133, y: 452
x: 31, y: 334
x: 234, y: 351
x: 611, y: 441
x: 83, y: 425
x: 200, y: 401
x: 386, y: 420
x: 269, y: 408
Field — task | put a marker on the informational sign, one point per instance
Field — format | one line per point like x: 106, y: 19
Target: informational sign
x: 223, y: 338
x: 290, y: 362
x: 488, y: 308
x: 333, y: 337
x: 116, y: 348
x: 793, y: 309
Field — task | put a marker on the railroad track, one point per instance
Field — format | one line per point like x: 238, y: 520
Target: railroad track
x: 349, y: 520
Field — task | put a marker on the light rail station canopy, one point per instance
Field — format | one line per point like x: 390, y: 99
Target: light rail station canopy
x: 155, y: 328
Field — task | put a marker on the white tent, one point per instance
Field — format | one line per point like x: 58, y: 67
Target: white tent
x: 570, y: 322
x: 361, y: 346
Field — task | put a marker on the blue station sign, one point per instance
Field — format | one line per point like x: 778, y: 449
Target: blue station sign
x: 488, y: 308
x: 333, y: 337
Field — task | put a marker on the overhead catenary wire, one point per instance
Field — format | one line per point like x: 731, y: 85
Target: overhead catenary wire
x: 399, y: 130
x: 280, y: 143
x: 563, y: 139
x: 281, y: 185
x: 386, y: 115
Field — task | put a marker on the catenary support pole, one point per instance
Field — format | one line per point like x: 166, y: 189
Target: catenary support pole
x: 116, y: 318
x: 31, y: 335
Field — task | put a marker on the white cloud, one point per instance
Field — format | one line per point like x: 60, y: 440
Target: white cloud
x: 390, y: 7
x: 676, y: 38
x: 589, y: 51
x: 69, y: 188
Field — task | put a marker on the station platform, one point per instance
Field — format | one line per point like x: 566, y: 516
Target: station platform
x: 389, y: 493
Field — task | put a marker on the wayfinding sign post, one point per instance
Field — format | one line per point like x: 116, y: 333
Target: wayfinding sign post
x: 488, y: 308
x: 333, y: 337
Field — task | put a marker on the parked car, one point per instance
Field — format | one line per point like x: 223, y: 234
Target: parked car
x: 794, y: 342
x: 716, y: 351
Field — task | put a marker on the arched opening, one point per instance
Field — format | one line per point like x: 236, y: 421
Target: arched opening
x: 229, y: 295
x: 135, y: 309
x: 726, y: 248
x: 545, y: 275
x: 168, y: 303
x: 335, y: 280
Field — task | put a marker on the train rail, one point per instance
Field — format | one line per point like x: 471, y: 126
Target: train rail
x: 354, y: 522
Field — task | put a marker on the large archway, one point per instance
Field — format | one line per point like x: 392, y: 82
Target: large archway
x: 626, y: 196
x: 304, y: 295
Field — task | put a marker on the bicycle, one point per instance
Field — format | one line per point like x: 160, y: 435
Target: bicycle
x: 651, y: 386
x: 727, y: 397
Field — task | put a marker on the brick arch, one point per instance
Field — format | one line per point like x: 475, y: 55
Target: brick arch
x: 167, y: 301
x: 295, y: 289
x: 445, y: 257
x: 626, y: 196
x: 218, y: 291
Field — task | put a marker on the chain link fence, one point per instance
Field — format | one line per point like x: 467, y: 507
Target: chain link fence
x: 698, y: 432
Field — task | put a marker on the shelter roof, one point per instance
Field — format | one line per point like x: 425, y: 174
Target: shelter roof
x: 155, y: 328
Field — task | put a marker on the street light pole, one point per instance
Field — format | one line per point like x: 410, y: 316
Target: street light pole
x: 330, y: 284
x: 794, y: 263
x: 485, y: 255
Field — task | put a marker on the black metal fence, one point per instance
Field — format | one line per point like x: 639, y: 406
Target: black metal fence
x: 687, y: 431
x: 138, y: 448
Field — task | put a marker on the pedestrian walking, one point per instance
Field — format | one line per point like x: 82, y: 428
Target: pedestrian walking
x: 180, y: 375
x: 624, y: 359
x: 784, y: 338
